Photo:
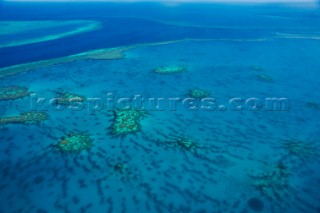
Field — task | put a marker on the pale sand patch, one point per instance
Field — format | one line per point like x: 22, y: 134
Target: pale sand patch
x: 15, y: 27
x: 298, y: 36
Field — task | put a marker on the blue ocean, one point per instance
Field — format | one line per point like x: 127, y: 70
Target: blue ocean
x: 159, y: 107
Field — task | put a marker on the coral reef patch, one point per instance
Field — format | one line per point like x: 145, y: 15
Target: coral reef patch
x: 65, y: 98
x: 273, y: 182
x: 170, y: 69
x: 74, y: 142
x: 199, y: 93
x: 13, y: 92
x: 301, y: 149
x: 264, y: 78
x: 25, y: 118
x: 126, y: 121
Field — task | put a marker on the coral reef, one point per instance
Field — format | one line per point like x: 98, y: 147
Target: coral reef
x: 99, y: 54
x: 300, y: 149
x: 74, y: 142
x: 273, y: 182
x: 126, y: 121
x: 264, y: 78
x: 199, y: 93
x: 25, y: 118
x: 13, y: 92
x: 170, y: 69
x: 64, y: 98
x: 109, y: 54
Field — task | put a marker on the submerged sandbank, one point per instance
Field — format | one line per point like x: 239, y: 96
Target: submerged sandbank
x: 42, y: 30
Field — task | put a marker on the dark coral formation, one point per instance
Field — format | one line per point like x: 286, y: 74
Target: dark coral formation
x: 126, y: 121
x: 13, y: 92
x: 124, y: 172
x: 199, y: 93
x: 273, y: 182
x: 65, y: 98
x: 300, y: 149
x: 25, y: 118
x: 185, y: 144
x: 196, y: 148
x: 75, y: 142
x: 170, y: 69
x: 180, y: 143
x: 120, y: 167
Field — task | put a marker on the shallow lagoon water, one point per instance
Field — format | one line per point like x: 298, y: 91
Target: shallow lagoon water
x: 236, y: 150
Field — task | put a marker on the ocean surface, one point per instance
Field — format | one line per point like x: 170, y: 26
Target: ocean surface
x: 229, y: 149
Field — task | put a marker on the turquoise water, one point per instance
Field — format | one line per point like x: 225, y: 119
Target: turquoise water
x: 241, y: 160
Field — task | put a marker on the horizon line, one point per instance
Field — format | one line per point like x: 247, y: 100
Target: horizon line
x: 175, y: 1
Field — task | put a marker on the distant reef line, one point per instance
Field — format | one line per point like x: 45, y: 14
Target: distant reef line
x: 217, y: 25
x: 101, y: 54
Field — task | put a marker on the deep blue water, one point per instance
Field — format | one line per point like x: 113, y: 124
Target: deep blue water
x: 243, y: 160
x: 144, y: 25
